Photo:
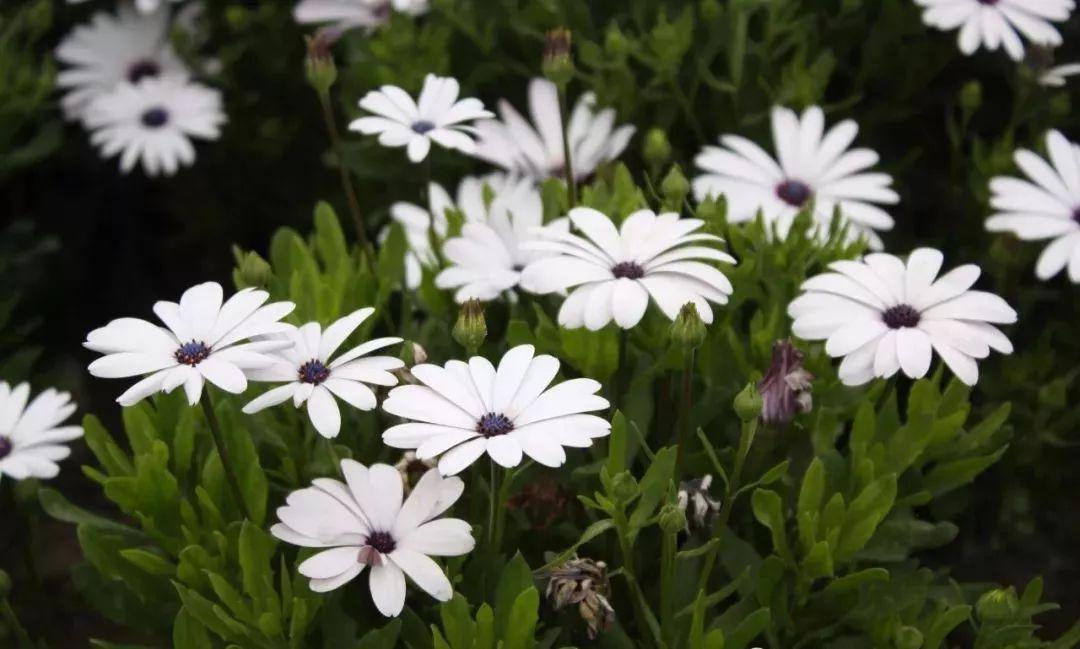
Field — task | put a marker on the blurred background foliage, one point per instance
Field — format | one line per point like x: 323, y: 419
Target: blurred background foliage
x: 81, y: 243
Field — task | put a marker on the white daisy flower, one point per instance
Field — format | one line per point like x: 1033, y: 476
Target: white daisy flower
x: 614, y: 271
x: 491, y: 252
x: 1047, y: 207
x: 363, y: 522
x: 154, y: 122
x: 419, y: 226
x: 438, y: 115
x: 344, y: 15
x: 144, y: 6
x: 537, y: 152
x: 813, y: 165
x: 311, y: 377
x: 201, y: 341
x: 884, y: 316
x: 112, y: 49
x: 463, y: 410
x: 31, y: 438
x: 991, y: 23
x: 1057, y: 76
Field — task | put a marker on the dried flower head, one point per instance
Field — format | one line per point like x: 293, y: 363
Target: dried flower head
x: 698, y: 504
x: 543, y: 502
x: 583, y: 582
x: 785, y: 389
x: 412, y: 469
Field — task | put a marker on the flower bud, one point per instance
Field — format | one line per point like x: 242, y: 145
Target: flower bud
x: 971, y: 96
x: 688, y: 331
x: 624, y: 486
x: 470, y: 330
x: 252, y: 271
x: 785, y: 390
x: 908, y: 637
x: 558, y: 66
x: 998, y: 605
x: 672, y: 519
x: 319, y: 64
x: 674, y: 188
x: 657, y: 149
x: 748, y: 403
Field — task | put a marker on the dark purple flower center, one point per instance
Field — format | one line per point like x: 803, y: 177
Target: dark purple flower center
x: 901, y: 316
x: 155, y: 117
x: 988, y: 2
x: 5, y: 447
x: 628, y: 269
x: 794, y: 192
x: 313, y: 372
x: 382, y: 541
x: 192, y: 353
x: 139, y: 70
x: 422, y: 126
x: 494, y: 424
x: 1076, y: 214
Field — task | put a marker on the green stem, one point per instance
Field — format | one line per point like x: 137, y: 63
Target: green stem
x: 568, y: 163
x: 493, y: 507
x: 343, y: 173
x: 223, y: 451
x: 683, y: 424
x: 648, y: 627
x: 334, y: 457
x: 7, y: 613
x: 746, y: 439
x: 667, y: 586
x: 622, y: 374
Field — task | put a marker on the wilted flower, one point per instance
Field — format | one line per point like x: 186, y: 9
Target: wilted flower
x: 412, y: 468
x: 542, y: 502
x: 583, y: 582
x: 785, y: 389
x: 697, y: 503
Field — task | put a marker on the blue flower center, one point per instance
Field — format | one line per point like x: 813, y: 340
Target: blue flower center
x: 988, y: 2
x: 155, y: 117
x: 422, y: 126
x: 192, y: 353
x: 6, y: 447
x: 494, y: 424
x: 139, y: 70
x: 628, y: 269
x: 313, y: 372
x: 794, y: 192
x: 381, y: 541
x: 901, y: 316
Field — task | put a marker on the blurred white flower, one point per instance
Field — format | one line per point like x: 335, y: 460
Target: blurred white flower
x: 342, y: 15
x: 884, y: 316
x: 32, y: 440
x: 613, y: 272
x: 1047, y: 207
x: 991, y: 23
x: 201, y: 341
x: 110, y: 50
x: 153, y: 122
x: 537, y: 151
x: 463, y: 410
x: 438, y: 115
x: 1057, y: 76
x: 813, y: 165
x: 420, y: 225
x: 311, y: 377
x: 364, y: 523
x: 144, y: 6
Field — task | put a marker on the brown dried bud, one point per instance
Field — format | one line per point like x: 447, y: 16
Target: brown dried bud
x: 558, y: 66
x: 785, y: 389
x: 583, y: 582
x: 319, y: 64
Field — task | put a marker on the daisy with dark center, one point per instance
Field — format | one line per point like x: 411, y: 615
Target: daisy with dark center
x: 310, y: 376
x: 1044, y: 208
x: 813, y: 165
x: 438, y: 115
x: 203, y: 340
x: 611, y: 272
x: 154, y: 122
x: 463, y: 410
x: 994, y: 23
x: 883, y: 316
x: 363, y: 523
x: 32, y: 439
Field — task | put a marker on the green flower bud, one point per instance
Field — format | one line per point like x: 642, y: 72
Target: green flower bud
x: 624, y: 486
x: 971, y: 96
x: 908, y: 637
x: 470, y: 330
x: 319, y: 64
x: 748, y: 403
x: 672, y: 519
x: 251, y: 270
x: 557, y: 64
x: 674, y: 188
x: 688, y: 331
x: 998, y: 605
x: 657, y: 149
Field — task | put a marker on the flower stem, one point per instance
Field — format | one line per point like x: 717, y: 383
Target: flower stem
x: 334, y: 457
x: 622, y: 373
x: 683, y: 424
x: 648, y: 626
x: 493, y: 507
x: 223, y: 451
x: 746, y: 438
x: 568, y: 163
x: 7, y: 614
x: 343, y: 172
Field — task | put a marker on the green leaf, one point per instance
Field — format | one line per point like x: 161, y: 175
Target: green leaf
x: 751, y: 627
x: 818, y: 562
x: 653, y: 486
x: 485, y: 628
x: 616, y: 462
x: 949, y: 475
x: 809, y: 505
x: 520, y: 633
x: 149, y: 562
x: 457, y: 622
x: 768, y: 510
x: 108, y: 454
x: 590, y: 533
x: 188, y: 633
x: 384, y: 638
x: 943, y: 624
x: 856, y: 580
x: 57, y: 506
x: 865, y: 513
x: 515, y: 579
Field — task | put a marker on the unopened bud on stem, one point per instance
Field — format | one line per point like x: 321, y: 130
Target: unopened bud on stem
x: 558, y: 66
x: 471, y: 327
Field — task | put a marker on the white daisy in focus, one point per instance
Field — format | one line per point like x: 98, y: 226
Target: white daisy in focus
x: 813, y: 165
x: 363, y: 522
x: 202, y: 340
x: 613, y: 272
x: 311, y: 377
x: 343, y: 15
x: 1046, y: 207
x: 1057, y: 76
x: 463, y: 410
x: 154, y: 121
x: 438, y: 115
x: 492, y: 251
x: 32, y: 440
x: 883, y: 316
x: 991, y: 23
x: 537, y: 151
x: 110, y: 50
